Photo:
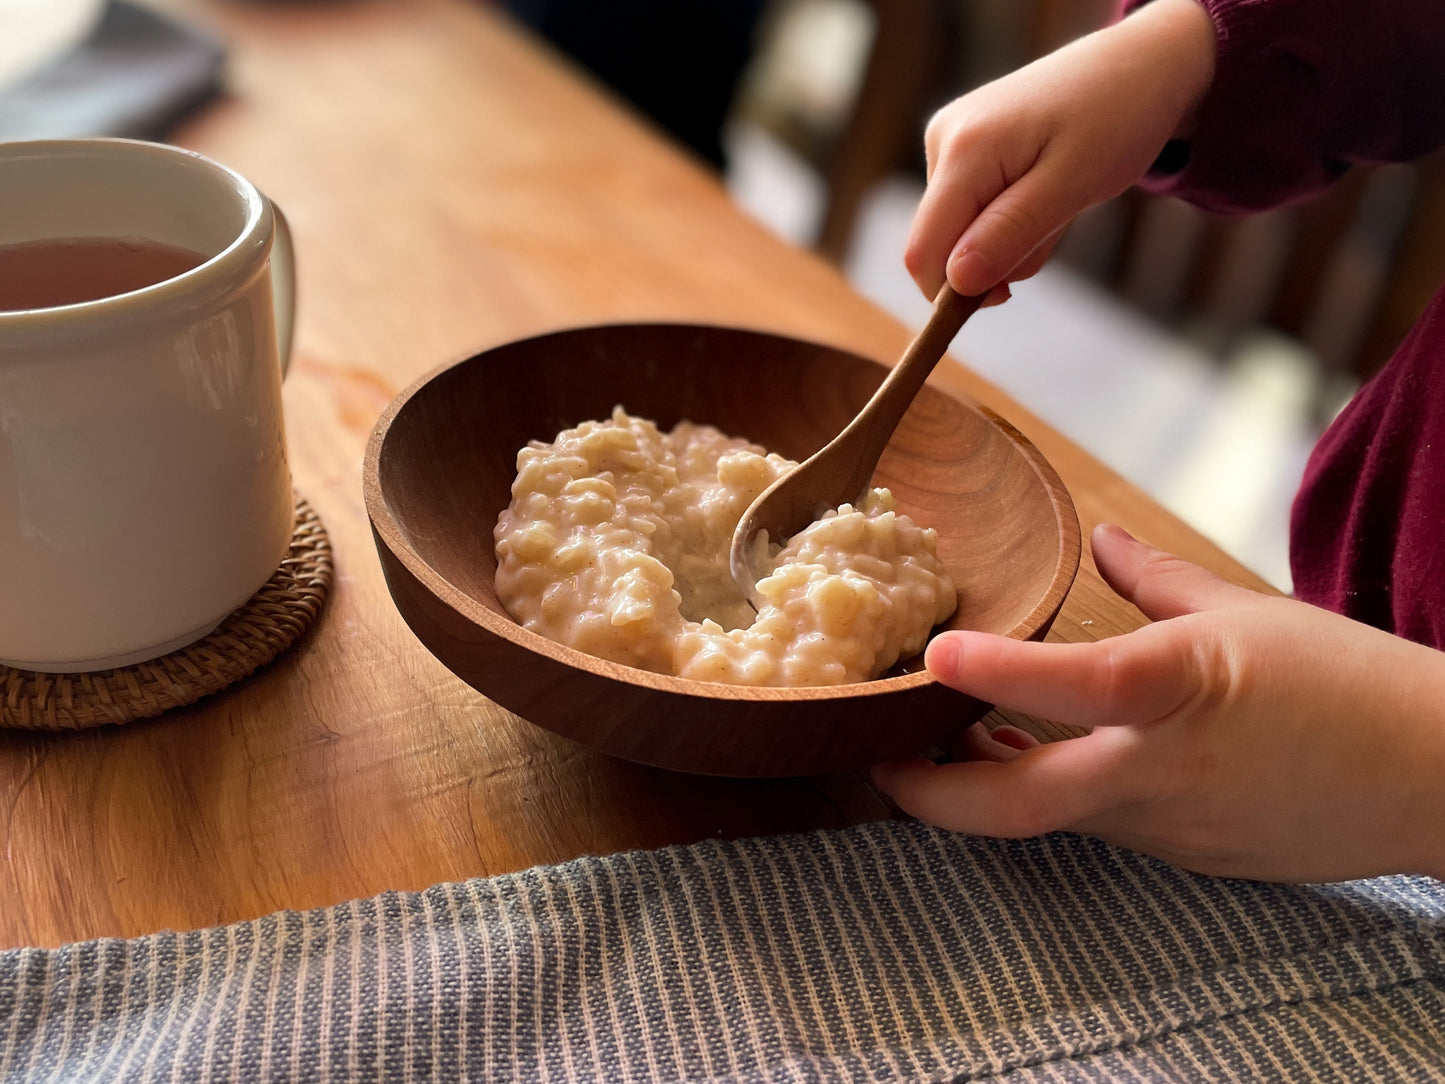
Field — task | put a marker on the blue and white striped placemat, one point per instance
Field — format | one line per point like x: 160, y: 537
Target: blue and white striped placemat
x: 885, y: 952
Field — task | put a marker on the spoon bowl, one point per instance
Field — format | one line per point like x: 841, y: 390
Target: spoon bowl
x: 841, y: 471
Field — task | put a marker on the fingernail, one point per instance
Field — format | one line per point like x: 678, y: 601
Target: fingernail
x: 968, y: 273
x: 1013, y: 738
x: 942, y: 657
x: 1113, y: 530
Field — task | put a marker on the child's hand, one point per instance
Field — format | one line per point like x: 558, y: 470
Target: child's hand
x: 1241, y: 735
x: 1010, y: 164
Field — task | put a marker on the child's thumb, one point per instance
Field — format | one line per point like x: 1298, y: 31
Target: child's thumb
x: 1160, y: 584
x: 1012, y: 235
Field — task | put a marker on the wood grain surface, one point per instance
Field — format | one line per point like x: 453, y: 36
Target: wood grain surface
x: 451, y: 187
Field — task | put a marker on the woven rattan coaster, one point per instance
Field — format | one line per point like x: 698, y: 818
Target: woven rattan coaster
x: 251, y: 637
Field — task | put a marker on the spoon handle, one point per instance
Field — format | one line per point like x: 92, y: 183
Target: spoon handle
x: 840, y: 471
x: 869, y: 432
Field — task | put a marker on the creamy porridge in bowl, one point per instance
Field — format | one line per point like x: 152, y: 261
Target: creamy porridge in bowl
x: 616, y: 543
x: 439, y: 475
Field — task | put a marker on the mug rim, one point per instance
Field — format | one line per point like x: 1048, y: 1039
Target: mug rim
x: 215, y: 277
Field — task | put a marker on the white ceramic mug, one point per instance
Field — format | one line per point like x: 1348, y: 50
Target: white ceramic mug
x: 144, y: 488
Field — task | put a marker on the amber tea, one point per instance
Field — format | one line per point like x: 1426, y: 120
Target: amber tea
x: 66, y: 271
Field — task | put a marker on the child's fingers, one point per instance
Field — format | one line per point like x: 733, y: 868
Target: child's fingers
x: 1160, y: 584
x: 1002, y: 743
x: 1011, y: 737
x: 1036, y: 259
x: 976, y: 157
x: 950, y: 203
x: 1026, y: 270
x: 997, y: 296
x: 1046, y: 789
x: 1134, y: 678
x: 1009, y: 229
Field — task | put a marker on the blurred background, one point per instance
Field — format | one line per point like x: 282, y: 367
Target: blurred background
x: 1199, y: 357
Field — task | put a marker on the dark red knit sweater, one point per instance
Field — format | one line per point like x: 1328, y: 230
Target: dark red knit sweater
x: 1304, y: 89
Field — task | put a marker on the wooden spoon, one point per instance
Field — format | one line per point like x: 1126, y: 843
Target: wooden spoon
x: 840, y: 471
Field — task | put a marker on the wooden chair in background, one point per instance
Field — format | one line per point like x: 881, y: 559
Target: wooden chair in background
x: 1344, y: 275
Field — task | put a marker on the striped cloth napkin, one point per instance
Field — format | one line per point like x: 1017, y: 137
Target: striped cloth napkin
x: 885, y: 952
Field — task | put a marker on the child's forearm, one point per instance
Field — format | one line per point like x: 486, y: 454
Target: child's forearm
x: 1412, y: 735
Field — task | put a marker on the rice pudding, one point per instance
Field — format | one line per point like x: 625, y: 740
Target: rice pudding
x: 616, y: 543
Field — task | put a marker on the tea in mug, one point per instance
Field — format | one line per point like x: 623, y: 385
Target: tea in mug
x: 67, y: 271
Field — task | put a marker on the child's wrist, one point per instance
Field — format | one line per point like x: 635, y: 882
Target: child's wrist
x: 1180, y: 36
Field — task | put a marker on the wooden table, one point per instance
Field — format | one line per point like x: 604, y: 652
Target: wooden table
x: 451, y: 186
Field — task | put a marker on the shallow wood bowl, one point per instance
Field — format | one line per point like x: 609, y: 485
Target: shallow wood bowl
x: 439, y: 468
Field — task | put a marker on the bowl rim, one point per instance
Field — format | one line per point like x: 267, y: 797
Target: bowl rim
x: 388, y: 529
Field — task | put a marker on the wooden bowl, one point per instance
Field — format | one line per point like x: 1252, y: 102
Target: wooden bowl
x: 439, y: 468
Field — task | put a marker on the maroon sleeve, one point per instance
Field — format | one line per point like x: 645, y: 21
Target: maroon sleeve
x: 1302, y: 90
x: 1367, y: 532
